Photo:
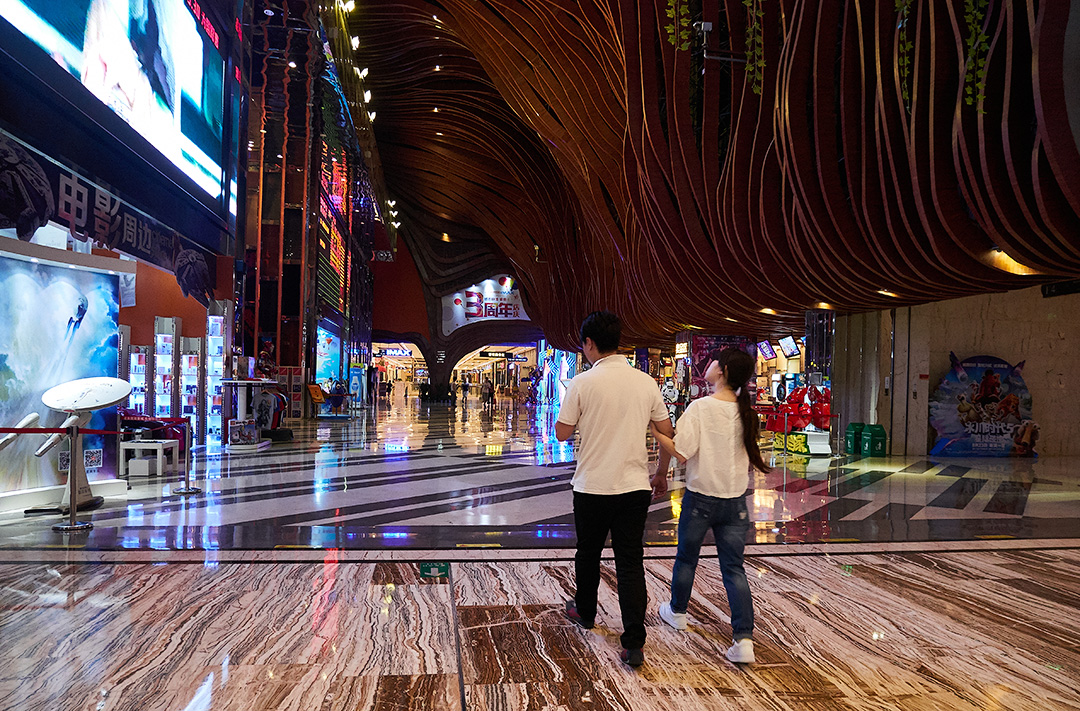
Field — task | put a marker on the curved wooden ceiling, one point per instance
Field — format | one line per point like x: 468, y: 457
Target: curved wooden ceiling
x: 610, y: 169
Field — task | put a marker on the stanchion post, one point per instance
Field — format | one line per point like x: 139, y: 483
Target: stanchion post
x: 187, y: 489
x: 73, y: 525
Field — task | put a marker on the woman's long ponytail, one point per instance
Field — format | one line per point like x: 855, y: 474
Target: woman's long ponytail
x: 738, y: 367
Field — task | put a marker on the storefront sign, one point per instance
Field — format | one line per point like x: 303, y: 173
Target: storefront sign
x: 495, y: 299
x: 507, y: 355
x: 393, y: 353
x: 983, y: 408
x: 682, y: 349
x: 51, y: 204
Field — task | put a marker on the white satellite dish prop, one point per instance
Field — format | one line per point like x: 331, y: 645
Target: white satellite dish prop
x: 78, y: 398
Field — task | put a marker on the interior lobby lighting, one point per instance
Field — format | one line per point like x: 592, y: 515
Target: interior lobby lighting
x: 438, y: 133
x: 391, y: 203
x: 436, y: 109
x: 371, y: 115
x: 292, y: 65
x: 823, y: 305
x: 770, y: 312
x: 363, y: 72
x: 728, y: 318
x: 445, y: 237
x: 396, y: 224
x: 435, y: 17
x: 883, y: 292
x: 350, y: 6
x: 438, y: 68
x: 367, y: 95
x: 355, y: 43
x: 1002, y: 261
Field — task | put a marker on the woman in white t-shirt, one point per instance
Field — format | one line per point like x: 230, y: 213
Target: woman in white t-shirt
x: 717, y: 440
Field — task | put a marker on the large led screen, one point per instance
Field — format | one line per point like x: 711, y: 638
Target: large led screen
x: 149, y: 61
x: 327, y: 356
x: 57, y: 323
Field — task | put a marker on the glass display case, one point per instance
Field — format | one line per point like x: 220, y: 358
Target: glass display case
x: 218, y: 347
x: 191, y: 383
x: 138, y: 367
x: 166, y: 366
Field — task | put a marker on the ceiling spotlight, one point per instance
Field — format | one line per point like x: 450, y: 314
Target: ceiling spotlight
x: 435, y: 17
x: 438, y: 133
x: 770, y: 312
x: 268, y: 12
x: 371, y: 115
x: 823, y: 305
x: 350, y: 6
x: 367, y: 96
x: 355, y: 42
x: 436, y: 109
x: 363, y: 72
x: 292, y: 65
x: 391, y: 203
x: 438, y: 68
x: 396, y: 224
x: 884, y: 292
x: 728, y: 318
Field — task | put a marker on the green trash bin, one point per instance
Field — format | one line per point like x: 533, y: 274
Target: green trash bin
x: 874, y: 441
x: 853, y: 438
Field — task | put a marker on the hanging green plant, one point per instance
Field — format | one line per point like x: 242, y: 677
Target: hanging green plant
x: 678, y: 27
x: 977, y: 45
x: 755, y: 57
x: 904, y: 47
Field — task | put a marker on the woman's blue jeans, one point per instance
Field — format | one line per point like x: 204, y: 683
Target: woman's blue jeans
x: 729, y: 521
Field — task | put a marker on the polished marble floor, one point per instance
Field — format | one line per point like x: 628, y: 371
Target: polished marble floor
x: 406, y: 476
x: 295, y: 581
x: 993, y: 629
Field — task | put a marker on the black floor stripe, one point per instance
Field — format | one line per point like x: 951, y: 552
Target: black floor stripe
x: 307, y: 488
x: 954, y: 470
x: 481, y: 494
x: 918, y: 467
x: 844, y: 487
x: 1010, y: 498
x: 959, y: 494
x: 390, y: 518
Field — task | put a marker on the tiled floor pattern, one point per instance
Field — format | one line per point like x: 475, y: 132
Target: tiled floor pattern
x: 416, y: 477
x: 992, y: 629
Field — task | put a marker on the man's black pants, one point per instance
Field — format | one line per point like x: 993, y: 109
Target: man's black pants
x: 623, y: 515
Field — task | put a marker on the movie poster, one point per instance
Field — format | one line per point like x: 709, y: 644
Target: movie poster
x: 700, y: 348
x: 57, y: 323
x: 982, y: 408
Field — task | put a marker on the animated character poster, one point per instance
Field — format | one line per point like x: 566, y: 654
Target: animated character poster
x: 983, y: 408
x: 56, y: 324
x: 700, y: 348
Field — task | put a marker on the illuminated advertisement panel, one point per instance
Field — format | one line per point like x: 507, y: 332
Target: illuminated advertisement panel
x: 57, y: 323
x: 154, y: 63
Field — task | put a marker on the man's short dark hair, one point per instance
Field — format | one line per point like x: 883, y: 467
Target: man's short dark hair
x: 604, y: 328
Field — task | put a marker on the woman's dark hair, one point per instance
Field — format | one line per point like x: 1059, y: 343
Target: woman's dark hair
x: 604, y: 328
x: 738, y: 368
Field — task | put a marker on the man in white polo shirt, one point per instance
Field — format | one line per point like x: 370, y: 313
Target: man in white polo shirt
x: 612, y: 405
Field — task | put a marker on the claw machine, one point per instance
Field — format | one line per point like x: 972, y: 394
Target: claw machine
x: 166, y: 361
x: 192, y: 379
x: 218, y: 347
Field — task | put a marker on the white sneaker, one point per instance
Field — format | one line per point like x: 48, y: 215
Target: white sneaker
x: 741, y: 652
x: 675, y: 619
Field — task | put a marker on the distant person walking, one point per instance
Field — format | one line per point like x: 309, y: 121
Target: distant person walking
x: 465, y: 390
x: 612, y: 406
x: 717, y: 440
x: 487, y: 392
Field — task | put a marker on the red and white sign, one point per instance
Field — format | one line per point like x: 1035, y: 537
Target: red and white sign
x: 493, y: 299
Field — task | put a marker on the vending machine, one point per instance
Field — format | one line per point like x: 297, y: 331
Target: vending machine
x: 192, y: 379
x: 166, y: 366
x: 218, y: 348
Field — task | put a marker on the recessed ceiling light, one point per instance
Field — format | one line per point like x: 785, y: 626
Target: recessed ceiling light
x: 367, y: 96
x: 438, y: 68
x: 823, y: 305
x: 883, y: 292
x: 770, y: 312
x: 436, y: 109
x: 268, y: 12
x: 438, y: 133
x: 355, y: 42
x: 292, y: 65
x: 728, y: 318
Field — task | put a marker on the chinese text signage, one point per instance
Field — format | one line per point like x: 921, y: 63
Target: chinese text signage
x: 495, y: 299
